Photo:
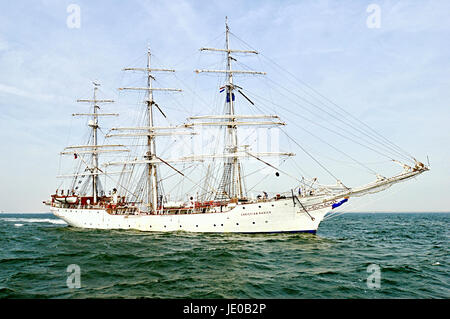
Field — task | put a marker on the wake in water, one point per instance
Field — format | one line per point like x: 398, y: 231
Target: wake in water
x: 33, y: 220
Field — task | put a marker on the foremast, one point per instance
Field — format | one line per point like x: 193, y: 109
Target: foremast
x: 152, y: 189
x: 231, y: 185
x: 235, y: 167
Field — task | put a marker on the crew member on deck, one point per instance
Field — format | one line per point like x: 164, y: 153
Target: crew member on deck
x: 115, y: 197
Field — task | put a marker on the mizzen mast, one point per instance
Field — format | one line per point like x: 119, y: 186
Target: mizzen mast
x: 93, y: 148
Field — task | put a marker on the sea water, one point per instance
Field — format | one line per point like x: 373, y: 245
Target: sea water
x: 357, y: 255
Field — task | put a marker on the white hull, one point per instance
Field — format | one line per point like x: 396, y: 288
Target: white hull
x: 271, y: 216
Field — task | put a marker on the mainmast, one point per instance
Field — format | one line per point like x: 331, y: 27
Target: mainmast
x: 152, y: 190
x: 94, y: 126
x: 151, y: 158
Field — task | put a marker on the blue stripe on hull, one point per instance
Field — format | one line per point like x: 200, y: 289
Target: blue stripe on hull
x: 280, y: 232
x: 263, y: 232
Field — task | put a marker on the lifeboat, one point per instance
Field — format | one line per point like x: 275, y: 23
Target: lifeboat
x: 67, y: 199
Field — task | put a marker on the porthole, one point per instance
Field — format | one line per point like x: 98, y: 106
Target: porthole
x: 221, y: 224
x: 180, y: 226
x: 164, y: 226
x: 196, y: 225
x: 259, y: 206
x: 253, y: 223
x: 243, y: 207
x: 214, y: 225
x: 266, y: 221
x: 237, y: 224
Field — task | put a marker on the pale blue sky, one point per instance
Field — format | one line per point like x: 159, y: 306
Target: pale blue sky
x: 396, y: 78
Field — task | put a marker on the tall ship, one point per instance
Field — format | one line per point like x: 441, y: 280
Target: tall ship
x: 135, y: 195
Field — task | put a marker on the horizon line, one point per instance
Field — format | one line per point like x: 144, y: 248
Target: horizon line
x: 342, y: 212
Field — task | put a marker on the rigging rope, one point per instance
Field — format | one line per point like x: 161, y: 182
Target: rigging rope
x: 398, y: 150
x: 336, y: 149
x: 312, y: 157
x: 324, y: 127
x: 347, y: 124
